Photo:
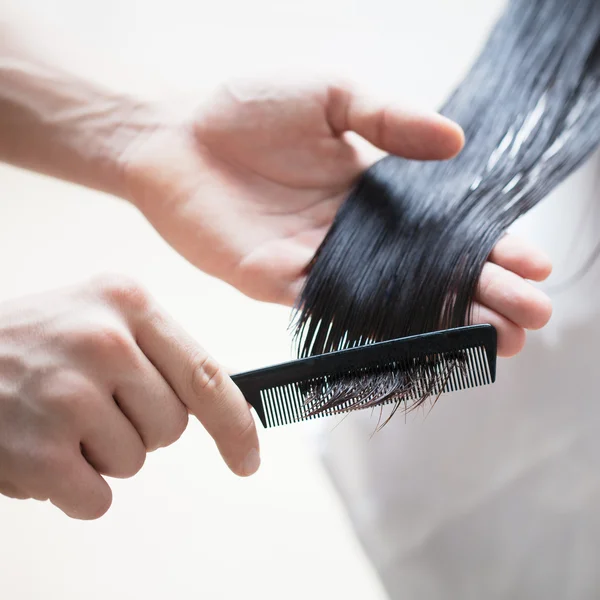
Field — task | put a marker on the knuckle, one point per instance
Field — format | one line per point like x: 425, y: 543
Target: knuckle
x: 65, y: 392
x: 206, y: 374
x: 173, y: 431
x: 344, y: 86
x: 113, y: 339
x: 65, y: 405
x: 130, y: 466
x: 50, y: 458
x: 341, y: 95
x: 534, y: 306
x: 105, y: 340
x: 123, y: 291
x: 40, y: 495
x: 128, y: 463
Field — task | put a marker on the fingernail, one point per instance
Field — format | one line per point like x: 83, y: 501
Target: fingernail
x: 251, y: 463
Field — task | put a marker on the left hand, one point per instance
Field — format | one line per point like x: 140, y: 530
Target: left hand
x: 246, y: 186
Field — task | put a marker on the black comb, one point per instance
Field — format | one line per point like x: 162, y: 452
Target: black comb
x: 455, y: 359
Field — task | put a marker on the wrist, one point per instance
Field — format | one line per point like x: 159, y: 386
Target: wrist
x: 58, y: 124
x: 157, y: 153
x: 114, y: 129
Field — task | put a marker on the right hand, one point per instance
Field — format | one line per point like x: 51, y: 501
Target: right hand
x: 93, y: 378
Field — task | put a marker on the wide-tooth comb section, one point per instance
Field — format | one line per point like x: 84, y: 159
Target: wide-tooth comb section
x: 406, y: 372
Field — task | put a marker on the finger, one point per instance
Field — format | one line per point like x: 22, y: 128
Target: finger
x: 12, y: 491
x: 521, y: 257
x: 109, y: 442
x: 150, y: 404
x: 78, y: 490
x: 401, y: 131
x: 511, y: 296
x: 511, y: 337
x: 204, y: 387
x: 143, y: 395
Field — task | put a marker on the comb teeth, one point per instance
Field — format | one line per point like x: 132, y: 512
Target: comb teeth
x: 406, y: 370
x: 416, y: 379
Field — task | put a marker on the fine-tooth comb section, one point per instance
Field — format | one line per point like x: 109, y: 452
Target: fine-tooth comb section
x: 396, y: 382
x: 405, y: 372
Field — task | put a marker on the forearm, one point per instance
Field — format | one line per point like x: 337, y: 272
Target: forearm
x: 58, y: 124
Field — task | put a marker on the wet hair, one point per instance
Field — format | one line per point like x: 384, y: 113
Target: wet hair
x: 407, y: 247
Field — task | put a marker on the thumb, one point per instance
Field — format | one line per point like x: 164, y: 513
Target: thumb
x: 409, y: 133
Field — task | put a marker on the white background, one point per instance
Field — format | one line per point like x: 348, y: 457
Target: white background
x: 186, y: 528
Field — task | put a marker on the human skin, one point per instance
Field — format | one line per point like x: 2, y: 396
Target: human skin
x: 244, y: 184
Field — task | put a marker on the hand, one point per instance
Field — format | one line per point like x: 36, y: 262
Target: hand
x: 246, y: 186
x: 91, y: 379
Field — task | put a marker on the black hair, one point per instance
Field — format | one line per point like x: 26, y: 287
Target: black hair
x: 407, y: 247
